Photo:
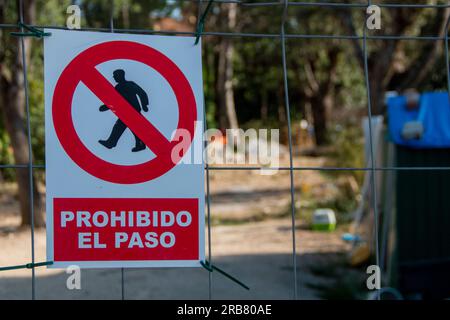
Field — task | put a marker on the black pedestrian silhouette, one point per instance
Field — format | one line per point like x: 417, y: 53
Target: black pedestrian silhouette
x: 130, y: 91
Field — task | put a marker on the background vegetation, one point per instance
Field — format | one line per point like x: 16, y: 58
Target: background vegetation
x: 243, y: 77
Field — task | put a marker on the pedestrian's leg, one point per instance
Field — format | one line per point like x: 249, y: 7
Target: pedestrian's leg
x: 138, y: 140
x: 116, y: 133
x: 139, y: 144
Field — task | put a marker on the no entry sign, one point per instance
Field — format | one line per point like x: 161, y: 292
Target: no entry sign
x: 99, y: 85
x: 120, y: 190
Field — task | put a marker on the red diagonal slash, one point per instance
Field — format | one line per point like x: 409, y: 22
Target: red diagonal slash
x: 143, y: 128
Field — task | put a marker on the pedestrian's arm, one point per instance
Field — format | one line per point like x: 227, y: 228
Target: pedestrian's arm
x: 143, y: 97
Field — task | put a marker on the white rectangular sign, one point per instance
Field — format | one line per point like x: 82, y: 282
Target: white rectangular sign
x: 125, y: 175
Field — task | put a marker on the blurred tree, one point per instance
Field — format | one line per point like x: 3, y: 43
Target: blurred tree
x: 220, y: 52
x: 315, y: 64
x: 136, y: 14
x: 12, y: 104
x: 395, y: 64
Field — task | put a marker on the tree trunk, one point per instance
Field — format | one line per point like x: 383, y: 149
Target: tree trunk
x: 282, y: 116
x: 229, y: 91
x: 264, y: 105
x: 225, y: 73
x: 220, y: 88
x: 125, y: 10
x: 377, y: 91
x: 13, y: 108
x: 319, y: 112
x: 229, y: 70
x: 321, y: 95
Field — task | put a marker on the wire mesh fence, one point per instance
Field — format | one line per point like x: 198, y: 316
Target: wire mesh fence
x: 282, y: 36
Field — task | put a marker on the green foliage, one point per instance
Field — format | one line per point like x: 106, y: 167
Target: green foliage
x: 347, y: 150
x: 258, y: 76
x: 127, y: 13
x: 6, y: 155
x: 37, y: 120
x: 342, y: 204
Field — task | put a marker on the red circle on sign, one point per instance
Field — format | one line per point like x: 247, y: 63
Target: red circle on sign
x: 82, y: 69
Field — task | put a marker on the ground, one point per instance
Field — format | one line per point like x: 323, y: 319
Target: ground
x: 251, y: 239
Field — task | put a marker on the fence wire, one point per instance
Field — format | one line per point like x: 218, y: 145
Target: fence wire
x: 283, y: 36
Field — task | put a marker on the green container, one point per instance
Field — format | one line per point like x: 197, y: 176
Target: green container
x: 324, y: 227
x: 324, y: 220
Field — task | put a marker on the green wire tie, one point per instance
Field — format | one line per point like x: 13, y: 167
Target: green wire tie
x: 201, y: 23
x: 210, y: 267
x: 33, y: 32
x: 27, y: 266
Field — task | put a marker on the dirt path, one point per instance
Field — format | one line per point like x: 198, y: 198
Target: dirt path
x: 251, y: 239
x: 259, y: 254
